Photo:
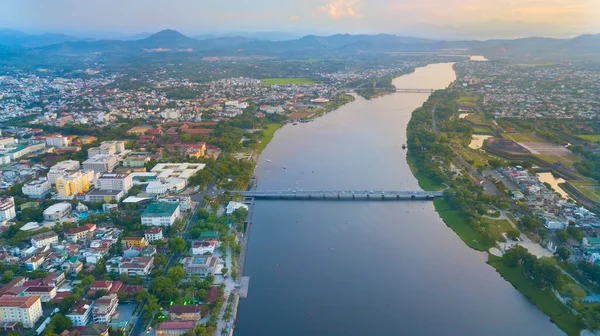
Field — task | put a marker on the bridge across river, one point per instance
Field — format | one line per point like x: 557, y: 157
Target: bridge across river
x: 342, y: 194
x: 350, y: 90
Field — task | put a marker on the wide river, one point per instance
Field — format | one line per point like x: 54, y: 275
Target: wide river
x: 367, y: 267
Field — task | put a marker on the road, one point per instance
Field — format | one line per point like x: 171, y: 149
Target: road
x: 230, y: 289
x: 433, y: 121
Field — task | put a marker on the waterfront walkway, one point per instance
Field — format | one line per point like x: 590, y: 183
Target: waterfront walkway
x: 343, y: 194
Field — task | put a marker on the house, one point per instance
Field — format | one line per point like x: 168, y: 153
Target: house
x: 105, y: 308
x: 21, y: 309
x: 135, y: 241
x: 591, y: 244
x: 80, y: 233
x: 153, y: 234
x: 174, y: 328
x: 16, y: 282
x: 34, y: 262
x: 185, y: 312
x: 44, y: 239
x: 81, y: 313
x: 160, y: 214
x: 204, y: 246
x: 232, y: 206
x: 212, y: 294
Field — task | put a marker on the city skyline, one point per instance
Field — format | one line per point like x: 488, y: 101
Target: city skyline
x: 428, y: 18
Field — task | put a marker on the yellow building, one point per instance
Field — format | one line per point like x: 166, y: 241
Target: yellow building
x: 27, y: 310
x: 72, y: 184
x: 135, y: 241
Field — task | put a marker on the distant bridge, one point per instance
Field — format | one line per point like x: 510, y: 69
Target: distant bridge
x: 397, y: 90
x: 342, y: 194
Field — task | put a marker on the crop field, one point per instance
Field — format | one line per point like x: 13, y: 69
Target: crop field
x: 287, y: 81
x: 589, y: 137
x: 590, y: 190
x: 467, y: 99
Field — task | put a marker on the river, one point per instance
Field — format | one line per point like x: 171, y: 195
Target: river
x: 367, y: 268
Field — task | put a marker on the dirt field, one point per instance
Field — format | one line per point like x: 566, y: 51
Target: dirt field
x: 545, y: 148
x: 298, y: 115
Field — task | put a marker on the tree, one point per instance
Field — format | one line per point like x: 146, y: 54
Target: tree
x: 513, y: 234
x: 224, y: 270
x: 58, y: 324
x: 546, y: 272
x: 163, y: 288
x: 160, y: 260
x: 203, y: 214
x: 562, y: 235
x: 150, y: 307
x: 177, y: 244
x: 176, y: 273
x: 563, y: 252
x: 8, y: 276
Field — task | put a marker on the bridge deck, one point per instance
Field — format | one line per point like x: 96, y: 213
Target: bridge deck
x: 345, y: 194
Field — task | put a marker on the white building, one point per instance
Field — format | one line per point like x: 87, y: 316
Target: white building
x: 170, y: 114
x: 232, y: 206
x: 107, y: 148
x: 136, y: 266
x: 104, y: 309
x: 7, y: 142
x: 37, y: 188
x: 153, y: 234
x: 161, y: 214
x: 7, y: 208
x: 101, y: 163
x: 107, y: 181
x: 61, y: 168
x: 57, y: 212
x: 81, y: 313
x: 183, y: 170
x: 165, y: 186
x: 204, y: 246
x: 44, y: 239
x: 57, y: 141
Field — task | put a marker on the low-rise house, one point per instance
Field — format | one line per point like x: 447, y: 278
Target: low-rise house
x: 591, y: 244
x: 185, y: 312
x: 105, y: 308
x: 56, y: 212
x: 134, y: 266
x: 81, y: 313
x: 80, y: 233
x: 95, y: 330
x: 34, y: 262
x: 232, y: 206
x: 135, y: 242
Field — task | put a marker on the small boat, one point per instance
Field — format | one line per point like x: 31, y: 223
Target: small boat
x: 295, y: 123
x: 269, y: 161
x: 403, y: 146
x: 284, y: 167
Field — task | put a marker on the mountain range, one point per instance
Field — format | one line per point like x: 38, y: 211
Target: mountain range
x: 584, y: 46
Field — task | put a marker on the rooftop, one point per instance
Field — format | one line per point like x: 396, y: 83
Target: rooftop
x: 162, y: 209
x: 18, y: 301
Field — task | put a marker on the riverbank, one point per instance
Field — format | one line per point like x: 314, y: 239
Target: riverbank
x: 428, y: 156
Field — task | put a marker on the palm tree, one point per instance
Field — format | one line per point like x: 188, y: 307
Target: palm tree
x: 224, y: 331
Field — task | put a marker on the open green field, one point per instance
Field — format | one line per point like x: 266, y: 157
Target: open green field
x: 287, y: 81
x: 589, y: 137
x: 497, y: 227
x: 588, y: 188
x: 479, y: 160
x: 268, y: 134
x: 467, y: 99
x: 567, y: 160
x: 543, y: 299
x: 456, y: 221
x: 424, y: 182
x: 478, y: 119
x: 482, y: 130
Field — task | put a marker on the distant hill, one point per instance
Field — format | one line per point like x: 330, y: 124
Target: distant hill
x: 339, y: 45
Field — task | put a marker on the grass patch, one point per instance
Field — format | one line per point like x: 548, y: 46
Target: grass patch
x: 477, y: 159
x: 589, y: 137
x: 523, y: 137
x: 456, y: 221
x: 588, y: 188
x: 543, y: 299
x: 287, y: 81
x: 268, y: 134
x: 467, y: 99
x: 567, y: 160
x: 497, y: 227
x: 478, y: 119
x: 482, y: 130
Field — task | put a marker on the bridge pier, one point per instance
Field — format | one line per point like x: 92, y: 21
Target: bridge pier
x: 397, y: 196
x: 353, y: 196
x: 413, y: 197
x: 338, y: 196
x: 382, y: 196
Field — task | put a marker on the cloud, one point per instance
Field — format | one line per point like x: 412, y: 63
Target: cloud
x: 295, y: 17
x: 342, y: 9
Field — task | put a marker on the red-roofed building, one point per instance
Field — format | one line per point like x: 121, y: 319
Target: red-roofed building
x: 23, y: 309
x: 212, y: 295
x: 174, y: 328
x: 80, y: 233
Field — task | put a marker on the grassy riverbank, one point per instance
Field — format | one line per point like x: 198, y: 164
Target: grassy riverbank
x: 268, y: 134
x: 456, y: 221
x: 544, y: 299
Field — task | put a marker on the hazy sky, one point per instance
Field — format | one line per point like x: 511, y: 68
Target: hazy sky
x: 459, y: 18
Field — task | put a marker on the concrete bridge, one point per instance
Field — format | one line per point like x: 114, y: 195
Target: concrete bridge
x: 342, y: 194
x: 397, y: 90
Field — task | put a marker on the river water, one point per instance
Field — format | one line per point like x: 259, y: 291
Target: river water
x: 367, y: 267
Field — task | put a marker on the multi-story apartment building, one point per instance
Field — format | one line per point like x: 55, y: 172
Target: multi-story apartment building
x: 23, y: 309
x: 107, y: 148
x: 73, y: 183
x: 61, y: 168
x: 57, y: 141
x: 104, y: 308
x: 45, y: 293
x: 7, y: 208
x: 81, y: 313
x: 56, y: 212
x: 37, y: 188
x: 107, y: 181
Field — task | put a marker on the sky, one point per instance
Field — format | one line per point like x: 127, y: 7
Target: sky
x: 478, y: 19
